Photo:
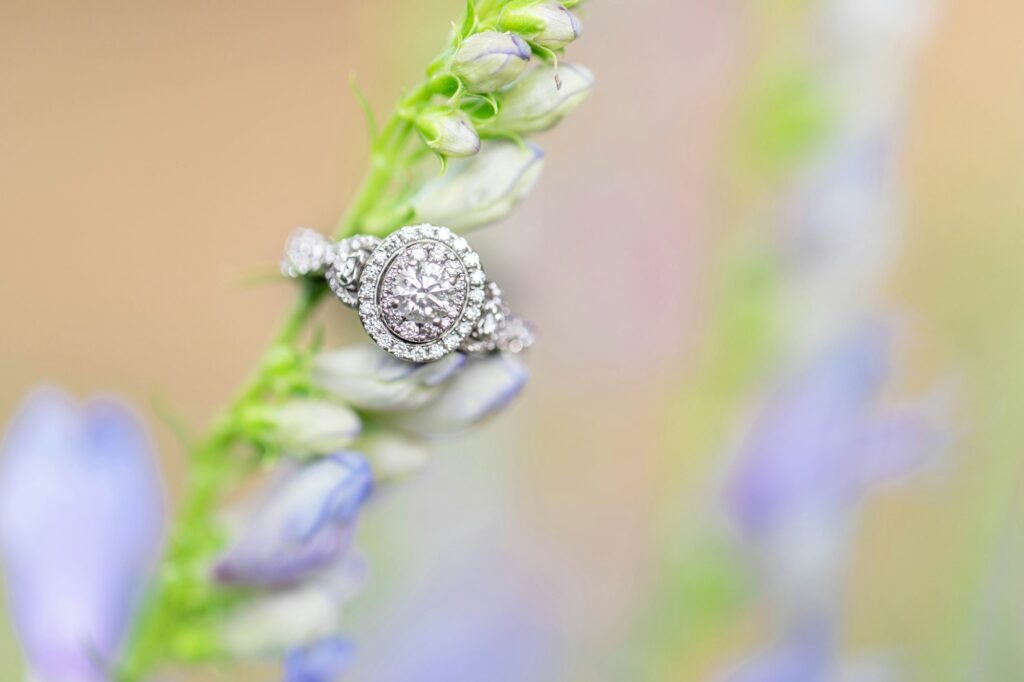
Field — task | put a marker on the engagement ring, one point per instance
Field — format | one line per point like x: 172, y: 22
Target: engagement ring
x: 421, y: 292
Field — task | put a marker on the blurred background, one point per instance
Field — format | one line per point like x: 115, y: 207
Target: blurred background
x: 156, y: 155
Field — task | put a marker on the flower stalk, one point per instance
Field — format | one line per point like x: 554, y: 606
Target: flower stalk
x: 183, y: 620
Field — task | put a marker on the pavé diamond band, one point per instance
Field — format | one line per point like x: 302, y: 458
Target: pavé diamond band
x: 421, y: 292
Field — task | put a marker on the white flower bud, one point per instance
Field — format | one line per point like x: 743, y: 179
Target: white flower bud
x: 448, y: 132
x: 307, y: 428
x: 491, y: 60
x: 542, y: 97
x: 483, y: 189
x: 548, y: 24
x: 370, y: 379
x: 273, y: 623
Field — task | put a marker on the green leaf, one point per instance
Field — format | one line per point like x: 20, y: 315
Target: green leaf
x: 364, y: 104
x: 469, y: 21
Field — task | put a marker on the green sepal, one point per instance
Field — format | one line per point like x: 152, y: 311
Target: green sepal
x: 445, y: 84
x: 480, y: 107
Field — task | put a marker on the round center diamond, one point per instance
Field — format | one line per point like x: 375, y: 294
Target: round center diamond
x: 423, y: 291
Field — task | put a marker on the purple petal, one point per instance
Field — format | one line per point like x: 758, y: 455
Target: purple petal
x: 81, y: 521
x: 305, y: 523
x: 324, y: 661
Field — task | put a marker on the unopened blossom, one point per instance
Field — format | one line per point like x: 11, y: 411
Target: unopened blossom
x: 81, y: 520
x: 324, y: 661
x: 296, y: 617
x: 546, y: 23
x: 484, y: 386
x: 542, y: 97
x: 488, y: 61
x: 448, y: 132
x: 304, y: 427
x: 482, y: 189
x: 368, y: 378
x: 304, y: 523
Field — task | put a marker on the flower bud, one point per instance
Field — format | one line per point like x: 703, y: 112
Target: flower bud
x: 295, y: 617
x: 370, y: 379
x: 448, y: 132
x: 483, y: 387
x: 542, y: 97
x: 483, y: 189
x: 548, y: 24
x: 491, y: 60
x: 307, y: 428
x: 301, y: 525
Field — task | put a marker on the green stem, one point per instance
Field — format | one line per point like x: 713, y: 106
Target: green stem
x: 181, y: 618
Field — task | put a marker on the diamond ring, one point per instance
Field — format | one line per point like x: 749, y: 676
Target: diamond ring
x: 421, y: 292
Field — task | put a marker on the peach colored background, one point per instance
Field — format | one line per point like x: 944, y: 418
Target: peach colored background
x: 155, y: 155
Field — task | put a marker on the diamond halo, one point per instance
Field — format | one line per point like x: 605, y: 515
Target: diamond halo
x: 421, y: 292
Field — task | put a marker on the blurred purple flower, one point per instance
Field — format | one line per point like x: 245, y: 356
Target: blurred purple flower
x: 81, y: 527
x: 304, y: 523
x: 325, y: 661
x: 823, y: 440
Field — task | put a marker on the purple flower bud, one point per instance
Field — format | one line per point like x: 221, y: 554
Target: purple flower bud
x: 81, y: 521
x: 490, y: 60
x: 304, y: 523
x: 543, y: 97
x: 546, y: 23
x: 448, y: 132
x: 484, y: 386
x: 483, y: 189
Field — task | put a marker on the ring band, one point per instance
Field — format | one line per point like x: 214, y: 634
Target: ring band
x: 421, y: 292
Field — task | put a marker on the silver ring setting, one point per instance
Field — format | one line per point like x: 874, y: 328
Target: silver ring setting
x: 421, y: 292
